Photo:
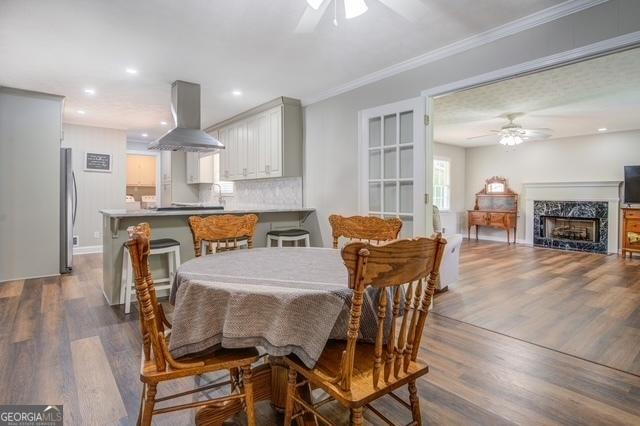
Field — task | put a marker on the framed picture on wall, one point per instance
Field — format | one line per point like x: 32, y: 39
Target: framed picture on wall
x: 95, y: 162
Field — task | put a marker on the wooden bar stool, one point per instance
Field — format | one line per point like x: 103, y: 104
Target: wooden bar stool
x: 297, y: 235
x: 167, y: 246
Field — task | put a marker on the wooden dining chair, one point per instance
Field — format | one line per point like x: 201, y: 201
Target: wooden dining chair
x: 158, y: 365
x: 357, y: 373
x: 364, y: 228
x: 222, y: 232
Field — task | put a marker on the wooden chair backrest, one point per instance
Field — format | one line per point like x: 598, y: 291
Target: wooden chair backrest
x: 152, y: 317
x: 151, y: 324
x: 226, y: 229
x: 364, y: 228
x: 387, y: 267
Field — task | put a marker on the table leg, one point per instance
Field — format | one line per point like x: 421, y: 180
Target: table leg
x: 216, y: 414
x: 269, y: 383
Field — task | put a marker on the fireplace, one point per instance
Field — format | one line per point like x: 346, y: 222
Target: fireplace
x: 571, y: 225
x: 570, y: 229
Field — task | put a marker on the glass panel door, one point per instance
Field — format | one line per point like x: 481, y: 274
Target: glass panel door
x: 394, y: 159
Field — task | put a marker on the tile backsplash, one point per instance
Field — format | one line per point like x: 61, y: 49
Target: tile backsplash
x: 259, y: 193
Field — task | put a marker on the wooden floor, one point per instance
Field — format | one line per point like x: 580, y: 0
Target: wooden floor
x: 61, y: 344
x: 583, y: 304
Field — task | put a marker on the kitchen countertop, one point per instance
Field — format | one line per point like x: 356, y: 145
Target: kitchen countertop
x: 118, y: 213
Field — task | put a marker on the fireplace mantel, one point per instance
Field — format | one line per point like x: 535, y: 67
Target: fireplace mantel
x: 608, y: 191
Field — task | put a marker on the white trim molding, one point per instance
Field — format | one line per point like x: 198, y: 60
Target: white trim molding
x: 87, y: 250
x: 522, y: 24
x: 608, y: 191
x: 550, y: 61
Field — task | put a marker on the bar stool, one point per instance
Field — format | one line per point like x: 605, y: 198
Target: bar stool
x: 296, y: 235
x: 160, y: 246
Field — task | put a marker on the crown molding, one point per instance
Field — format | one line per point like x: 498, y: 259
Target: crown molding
x: 536, y: 65
x: 530, y: 21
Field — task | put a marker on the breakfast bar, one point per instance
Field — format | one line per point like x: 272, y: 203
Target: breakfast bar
x: 173, y: 224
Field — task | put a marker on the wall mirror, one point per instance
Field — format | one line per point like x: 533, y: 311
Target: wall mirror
x: 495, y: 185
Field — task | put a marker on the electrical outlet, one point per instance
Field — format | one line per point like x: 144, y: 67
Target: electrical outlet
x: 96, y: 234
x: 76, y: 241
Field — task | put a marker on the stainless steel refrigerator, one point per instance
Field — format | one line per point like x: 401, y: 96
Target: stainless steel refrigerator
x: 68, y: 209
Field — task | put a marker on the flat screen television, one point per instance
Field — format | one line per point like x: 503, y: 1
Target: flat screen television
x: 632, y: 184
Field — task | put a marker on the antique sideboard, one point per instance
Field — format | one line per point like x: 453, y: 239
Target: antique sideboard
x: 496, y: 207
x: 630, y: 231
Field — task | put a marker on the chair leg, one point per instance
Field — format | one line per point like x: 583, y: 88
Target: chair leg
x: 248, y: 394
x: 291, y: 389
x: 280, y: 242
x: 415, y: 403
x: 172, y: 265
x: 307, y: 241
x: 149, y: 402
x: 356, y: 416
x: 144, y: 387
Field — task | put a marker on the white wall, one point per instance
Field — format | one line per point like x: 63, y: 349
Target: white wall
x: 30, y: 131
x: 453, y: 220
x: 96, y: 190
x: 598, y: 157
x: 331, y: 175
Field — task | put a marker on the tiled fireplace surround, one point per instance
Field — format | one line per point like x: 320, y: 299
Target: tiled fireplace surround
x: 599, y: 200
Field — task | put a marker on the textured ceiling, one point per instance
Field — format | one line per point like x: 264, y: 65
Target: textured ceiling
x: 64, y: 46
x: 573, y: 100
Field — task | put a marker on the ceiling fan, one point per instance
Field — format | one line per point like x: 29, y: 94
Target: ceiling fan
x: 409, y: 9
x: 514, y: 134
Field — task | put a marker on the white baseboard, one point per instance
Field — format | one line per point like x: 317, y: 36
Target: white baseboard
x: 499, y: 239
x: 87, y: 250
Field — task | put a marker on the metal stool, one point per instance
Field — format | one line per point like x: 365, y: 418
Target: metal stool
x: 296, y: 235
x: 161, y: 246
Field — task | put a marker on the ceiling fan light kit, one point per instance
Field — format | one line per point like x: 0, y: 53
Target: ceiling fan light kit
x: 315, y: 4
x: 510, y: 140
x: 354, y: 8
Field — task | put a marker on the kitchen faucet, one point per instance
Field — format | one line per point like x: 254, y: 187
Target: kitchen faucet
x: 220, y: 197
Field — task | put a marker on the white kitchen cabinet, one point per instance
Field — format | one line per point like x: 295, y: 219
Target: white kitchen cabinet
x: 141, y: 170
x: 199, y: 167
x: 265, y: 142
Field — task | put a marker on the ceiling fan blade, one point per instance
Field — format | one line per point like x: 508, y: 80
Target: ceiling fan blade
x: 539, y: 129
x: 310, y: 18
x: 481, y: 136
x: 411, y: 10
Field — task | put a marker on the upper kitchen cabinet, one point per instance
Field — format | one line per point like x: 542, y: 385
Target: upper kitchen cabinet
x: 264, y: 142
x: 141, y: 170
x: 199, y: 167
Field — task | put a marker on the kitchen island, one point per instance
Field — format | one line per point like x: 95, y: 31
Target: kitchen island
x: 173, y: 224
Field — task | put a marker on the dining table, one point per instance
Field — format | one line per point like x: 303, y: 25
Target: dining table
x: 285, y: 301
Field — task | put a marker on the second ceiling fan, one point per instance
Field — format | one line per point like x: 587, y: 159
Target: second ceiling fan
x: 513, y: 133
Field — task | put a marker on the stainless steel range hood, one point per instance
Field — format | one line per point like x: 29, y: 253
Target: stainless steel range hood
x: 187, y: 136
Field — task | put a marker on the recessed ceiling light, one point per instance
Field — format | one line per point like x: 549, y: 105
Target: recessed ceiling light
x: 90, y: 91
x: 163, y: 123
x: 131, y: 71
x: 81, y: 112
x: 237, y: 93
x: 144, y: 135
x: 602, y: 129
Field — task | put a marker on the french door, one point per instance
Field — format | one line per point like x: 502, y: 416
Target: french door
x: 394, y: 170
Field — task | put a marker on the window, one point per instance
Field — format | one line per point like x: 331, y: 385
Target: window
x: 441, y: 183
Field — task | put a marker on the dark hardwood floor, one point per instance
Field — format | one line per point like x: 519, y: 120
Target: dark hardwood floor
x: 61, y: 343
x: 583, y: 304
